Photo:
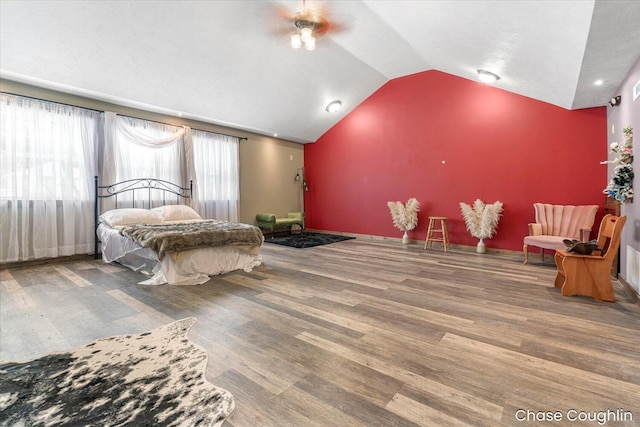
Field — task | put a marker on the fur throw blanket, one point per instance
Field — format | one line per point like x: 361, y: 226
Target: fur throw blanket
x: 165, y: 238
x: 582, y: 248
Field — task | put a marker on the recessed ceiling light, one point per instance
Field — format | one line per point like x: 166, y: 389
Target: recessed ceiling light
x: 598, y: 82
x: 487, y: 76
x: 275, y: 134
x: 334, y: 106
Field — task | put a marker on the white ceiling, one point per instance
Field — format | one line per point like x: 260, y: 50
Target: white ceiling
x: 222, y: 61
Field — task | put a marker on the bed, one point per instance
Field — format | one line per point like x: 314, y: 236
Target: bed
x: 147, y: 225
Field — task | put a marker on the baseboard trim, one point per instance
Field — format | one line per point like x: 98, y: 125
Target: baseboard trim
x: 635, y: 296
x: 463, y: 248
x: 44, y: 261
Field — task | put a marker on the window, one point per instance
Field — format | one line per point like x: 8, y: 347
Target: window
x: 144, y: 149
x: 216, y: 165
x: 136, y: 148
x: 47, y: 159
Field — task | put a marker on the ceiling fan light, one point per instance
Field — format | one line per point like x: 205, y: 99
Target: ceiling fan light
x: 310, y: 44
x: 296, y: 41
x: 306, y: 34
x: 487, y: 76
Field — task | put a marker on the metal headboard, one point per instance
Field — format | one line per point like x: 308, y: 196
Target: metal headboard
x: 146, y: 188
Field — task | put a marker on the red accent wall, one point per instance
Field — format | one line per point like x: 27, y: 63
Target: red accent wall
x: 495, y: 145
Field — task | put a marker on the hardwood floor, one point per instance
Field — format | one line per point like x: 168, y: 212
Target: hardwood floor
x: 361, y: 333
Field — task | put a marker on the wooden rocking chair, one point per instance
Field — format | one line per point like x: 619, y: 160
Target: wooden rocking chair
x: 590, y: 275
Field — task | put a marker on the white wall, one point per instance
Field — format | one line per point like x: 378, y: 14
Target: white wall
x: 628, y: 114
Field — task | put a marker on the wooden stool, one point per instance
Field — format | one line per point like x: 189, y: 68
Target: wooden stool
x: 444, y: 238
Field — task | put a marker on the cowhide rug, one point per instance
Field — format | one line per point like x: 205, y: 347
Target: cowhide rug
x: 151, y: 379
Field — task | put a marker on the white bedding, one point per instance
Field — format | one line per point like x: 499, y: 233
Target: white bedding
x: 192, y: 267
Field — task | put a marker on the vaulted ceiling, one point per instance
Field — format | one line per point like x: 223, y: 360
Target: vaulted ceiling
x: 224, y: 62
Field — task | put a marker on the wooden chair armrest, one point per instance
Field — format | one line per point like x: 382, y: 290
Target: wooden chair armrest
x: 593, y: 256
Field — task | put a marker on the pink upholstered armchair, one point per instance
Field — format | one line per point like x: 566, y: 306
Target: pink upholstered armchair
x: 554, y: 223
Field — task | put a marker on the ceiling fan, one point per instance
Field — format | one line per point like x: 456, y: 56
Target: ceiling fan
x: 307, y: 25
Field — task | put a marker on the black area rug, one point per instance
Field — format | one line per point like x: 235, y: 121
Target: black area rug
x: 306, y: 240
x: 150, y: 379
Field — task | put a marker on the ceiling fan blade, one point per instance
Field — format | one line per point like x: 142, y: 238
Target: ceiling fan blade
x: 316, y: 12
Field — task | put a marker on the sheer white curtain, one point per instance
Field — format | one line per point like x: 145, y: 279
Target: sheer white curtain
x: 216, y: 165
x: 47, y: 161
x: 136, y: 148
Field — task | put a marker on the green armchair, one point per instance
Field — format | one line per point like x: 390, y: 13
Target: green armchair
x: 270, y: 222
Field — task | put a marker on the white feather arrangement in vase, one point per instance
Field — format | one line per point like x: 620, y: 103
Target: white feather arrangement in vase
x: 405, y: 217
x: 482, y: 220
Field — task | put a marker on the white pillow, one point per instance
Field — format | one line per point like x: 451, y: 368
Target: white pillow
x: 119, y: 217
x: 176, y: 213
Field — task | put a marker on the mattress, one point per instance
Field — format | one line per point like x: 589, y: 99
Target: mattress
x: 189, y: 267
